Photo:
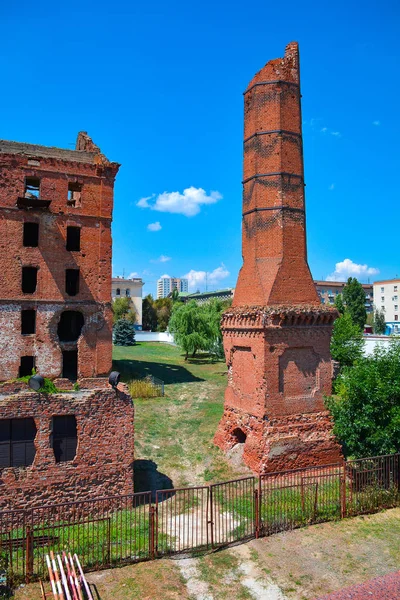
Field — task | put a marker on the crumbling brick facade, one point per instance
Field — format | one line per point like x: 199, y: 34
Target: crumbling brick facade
x: 103, y: 462
x: 277, y: 334
x: 55, y: 316
x: 55, y: 219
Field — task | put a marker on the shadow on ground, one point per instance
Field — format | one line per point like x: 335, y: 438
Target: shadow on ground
x: 137, y: 369
x: 146, y: 478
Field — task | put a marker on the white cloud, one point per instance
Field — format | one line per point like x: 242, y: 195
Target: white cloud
x: 316, y: 124
x: 332, y: 186
x: 132, y: 275
x: 153, y: 226
x: 161, y: 259
x: 162, y: 276
x: 188, y: 203
x: 198, y: 279
x: 347, y: 268
x: 143, y: 202
x: 377, y: 123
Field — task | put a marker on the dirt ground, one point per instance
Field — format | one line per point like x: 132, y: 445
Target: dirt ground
x: 302, y: 564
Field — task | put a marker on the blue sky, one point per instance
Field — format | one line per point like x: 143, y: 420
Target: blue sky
x: 158, y: 85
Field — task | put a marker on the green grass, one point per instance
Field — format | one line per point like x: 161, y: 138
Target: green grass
x: 176, y: 432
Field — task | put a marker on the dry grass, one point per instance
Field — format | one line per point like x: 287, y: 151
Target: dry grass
x: 143, y: 388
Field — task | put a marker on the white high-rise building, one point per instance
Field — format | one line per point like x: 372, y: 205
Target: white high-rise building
x: 386, y: 298
x: 166, y: 285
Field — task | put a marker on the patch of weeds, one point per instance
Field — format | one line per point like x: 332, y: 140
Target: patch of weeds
x: 47, y: 388
x: 253, y: 555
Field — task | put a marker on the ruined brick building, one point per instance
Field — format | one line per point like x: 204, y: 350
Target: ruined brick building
x: 55, y: 316
x: 277, y: 334
x: 55, y: 243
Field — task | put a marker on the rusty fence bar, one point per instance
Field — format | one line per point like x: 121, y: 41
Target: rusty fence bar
x: 117, y: 530
x: 182, y: 519
x: 292, y: 499
x: 233, y: 510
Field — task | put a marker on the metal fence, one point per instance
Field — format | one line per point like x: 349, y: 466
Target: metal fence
x: 117, y: 530
x: 158, y: 384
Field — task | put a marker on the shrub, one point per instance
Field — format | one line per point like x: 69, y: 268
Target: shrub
x: 366, y: 409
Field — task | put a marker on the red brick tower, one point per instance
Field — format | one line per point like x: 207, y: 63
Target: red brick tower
x: 277, y: 334
x: 55, y: 243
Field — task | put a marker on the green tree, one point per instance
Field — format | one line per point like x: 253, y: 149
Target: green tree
x: 347, y: 342
x: 122, y: 309
x: 339, y: 304
x: 366, y: 409
x: 354, y: 301
x: 175, y: 295
x: 191, y: 328
x: 124, y: 333
x: 379, y: 321
x: 149, y: 315
x: 163, y: 308
x: 213, y: 312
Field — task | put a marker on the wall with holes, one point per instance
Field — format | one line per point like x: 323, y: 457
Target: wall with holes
x: 61, y: 262
x: 101, y: 463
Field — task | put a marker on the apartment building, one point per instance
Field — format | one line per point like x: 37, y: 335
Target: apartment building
x: 328, y: 290
x: 132, y: 289
x: 387, y: 294
x: 166, y: 285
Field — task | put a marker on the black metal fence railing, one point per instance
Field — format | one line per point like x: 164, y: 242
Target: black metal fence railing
x: 118, y: 530
x: 158, y: 384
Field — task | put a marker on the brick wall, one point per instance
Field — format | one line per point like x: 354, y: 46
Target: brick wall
x: 56, y: 168
x: 103, y: 465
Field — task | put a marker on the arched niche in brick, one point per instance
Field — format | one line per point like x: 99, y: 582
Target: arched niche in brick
x: 70, y: 325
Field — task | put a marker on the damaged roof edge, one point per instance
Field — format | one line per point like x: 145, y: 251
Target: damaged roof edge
x: 86, y: 151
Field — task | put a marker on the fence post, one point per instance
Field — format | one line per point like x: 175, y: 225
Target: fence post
x: 152, y: 530
x: 256, y: 514
x: 211, y: 521
x: 343, y: 492
x: 109, y: 540
x: 29, y: 554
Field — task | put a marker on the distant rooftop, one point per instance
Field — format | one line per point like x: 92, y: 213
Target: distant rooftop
x: 85, y: 151
x: 122, y: 279
x: 388, y: 281
x: 211, y: 293
x: 338, y: 283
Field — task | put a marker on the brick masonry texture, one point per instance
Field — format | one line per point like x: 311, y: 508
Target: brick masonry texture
x: 56, y: 168
x: 381, y: 588
x: 103, y: 465
x: 277, y: 334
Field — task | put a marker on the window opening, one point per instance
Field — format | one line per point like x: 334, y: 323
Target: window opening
x: 118, y: 292
x: 32, y: 187
x: 28, y: 321
x: 70, y: 325
x: 70, y: 364
x: 73, y: 239
x: 128, y: 293
x: 72, y: 281
x: 26, y: 366
x: 64, y: 438
x: 74, y: 195
x: 29, y: 279
x: 17, y: 448
x: 31, y: 235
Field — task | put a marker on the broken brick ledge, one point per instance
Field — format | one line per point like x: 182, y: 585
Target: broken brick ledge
x: 279, y: 314
x: 63, y: 385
